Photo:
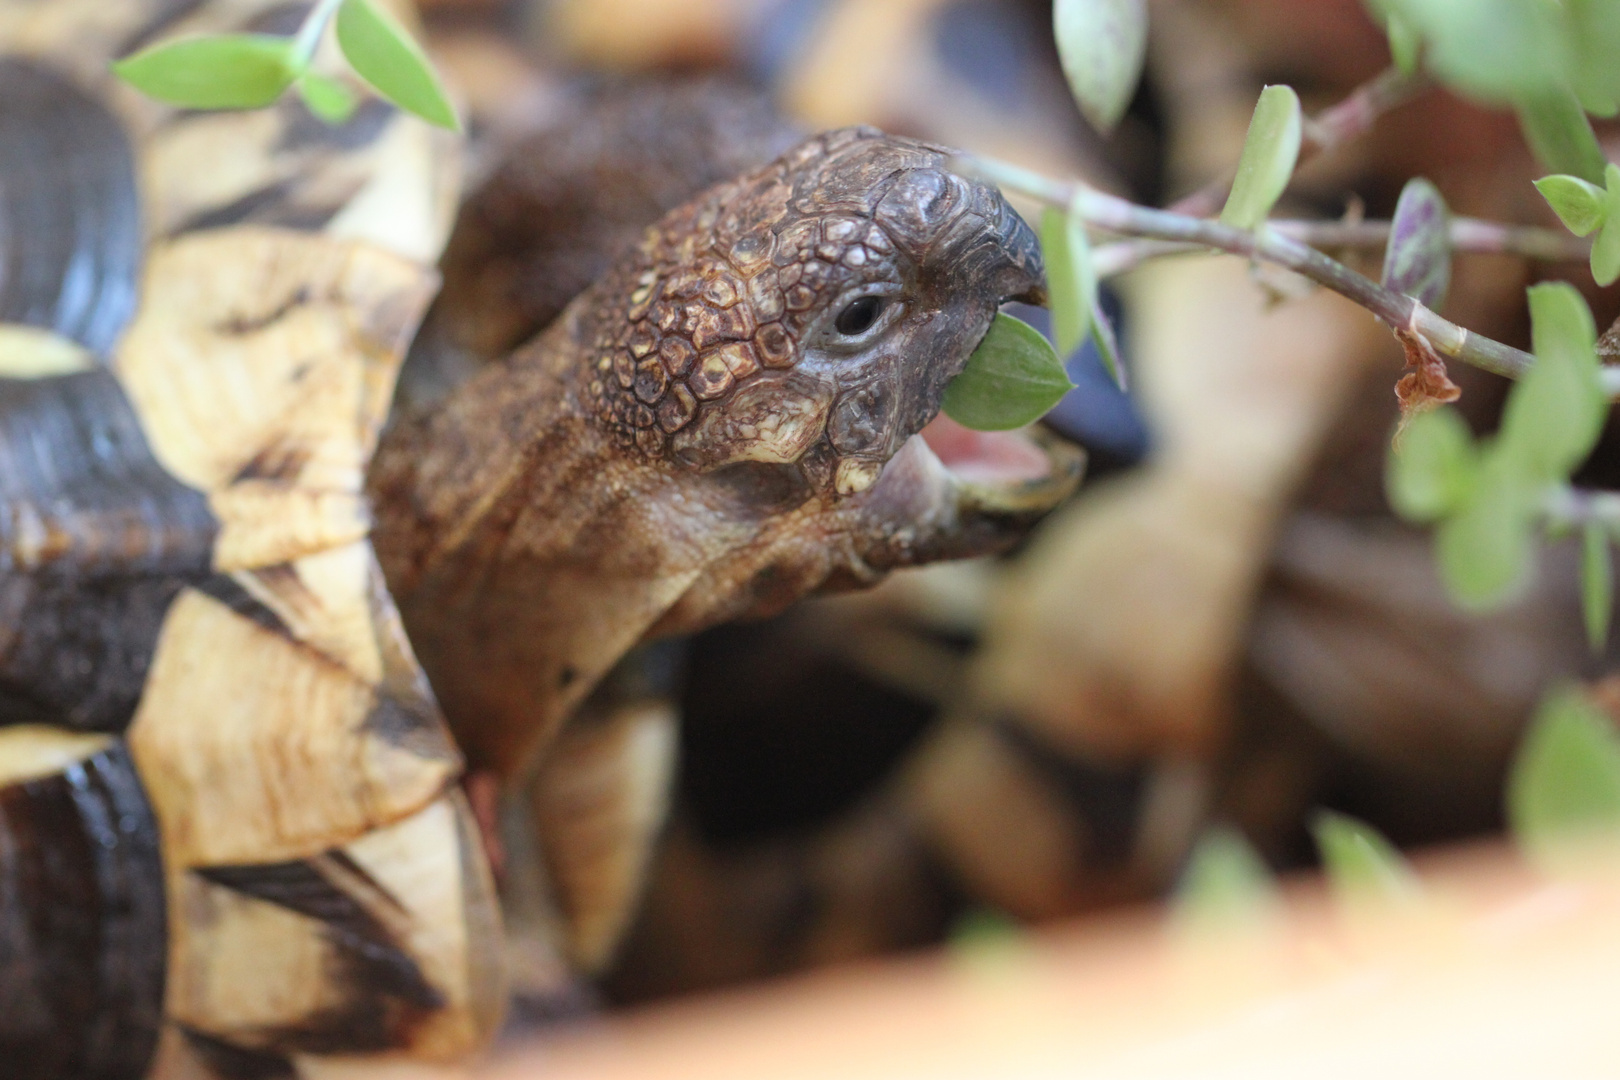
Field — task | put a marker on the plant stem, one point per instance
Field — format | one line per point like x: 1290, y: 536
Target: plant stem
x: 312, y: 30
x: 1470, y: 235
x: 1332, y: 127
x: 1572, y: 507
x: 1110, y: 213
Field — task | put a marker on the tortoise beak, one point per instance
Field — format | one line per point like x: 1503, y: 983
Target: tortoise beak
x: 1022, y: 277
x: 952, y: 493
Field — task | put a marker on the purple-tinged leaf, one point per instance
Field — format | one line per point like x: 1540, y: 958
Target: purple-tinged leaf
x: 1418, y: 259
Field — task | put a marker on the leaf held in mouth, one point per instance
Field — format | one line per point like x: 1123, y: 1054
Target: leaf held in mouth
x: 1012, y: 379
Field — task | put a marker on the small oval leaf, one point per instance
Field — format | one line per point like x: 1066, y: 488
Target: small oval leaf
x: 1497, y: 51
x: 1565, y: 783
x: 1433, y: 466
x: 1107, y: 342
x: 1405, y: 45
x: 1560, y: 135
x: 1070, y: 285
x: 1418, y: 259
x: 1595, y: 36
x: 1361, y: 865
x: 1225, y: 885
x: 1579, y: 205
x: 1554, y: 413
x: 1597, y: 584
x: 1102, y: 44
x: 226, y: 71
x: 391, y: 61
x: 1011, y: 379
x: 1606, y: 248
x: 1485, y: 548
x: 1269, y: 154
x: 327, y: 98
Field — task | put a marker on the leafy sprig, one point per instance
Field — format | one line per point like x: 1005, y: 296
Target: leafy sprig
x: 250, y: 71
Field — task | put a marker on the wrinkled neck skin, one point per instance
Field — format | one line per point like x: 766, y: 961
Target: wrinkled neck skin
x: 528, y: 552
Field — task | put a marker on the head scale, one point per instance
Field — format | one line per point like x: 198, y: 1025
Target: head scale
x: 806, y: 315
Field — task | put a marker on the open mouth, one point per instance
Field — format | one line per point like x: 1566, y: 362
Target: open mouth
x: 986, y: 457
x: 1020, y: 471
x: 1013, y: 474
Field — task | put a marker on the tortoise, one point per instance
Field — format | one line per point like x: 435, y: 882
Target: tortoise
x: 232, y: 837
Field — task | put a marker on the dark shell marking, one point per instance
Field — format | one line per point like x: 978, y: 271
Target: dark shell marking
x: 96, y: 540
x: 83, y: 941
x: 70, y: 221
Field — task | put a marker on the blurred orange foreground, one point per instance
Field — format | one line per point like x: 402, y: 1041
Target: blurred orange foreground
x: 1496, y: 973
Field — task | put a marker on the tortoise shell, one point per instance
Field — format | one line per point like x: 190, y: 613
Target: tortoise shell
x: 228, y: 825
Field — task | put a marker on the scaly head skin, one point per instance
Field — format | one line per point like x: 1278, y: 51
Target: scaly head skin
x: 724, y: 423
x: 808, y: 314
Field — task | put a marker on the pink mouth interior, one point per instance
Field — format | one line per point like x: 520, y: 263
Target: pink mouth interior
x: 985, y: 457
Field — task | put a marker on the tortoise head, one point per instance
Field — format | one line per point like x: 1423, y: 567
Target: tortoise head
x: 782, y: 340
x: 807, y: 317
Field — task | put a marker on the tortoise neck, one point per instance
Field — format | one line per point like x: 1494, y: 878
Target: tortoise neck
x: 526, y: 552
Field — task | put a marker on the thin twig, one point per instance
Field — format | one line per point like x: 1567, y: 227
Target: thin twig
x: 1332, y: 127
x: 1110, y: 213
x: 1470, y: 235
x: 312, y: 30
x: 1573, y: 507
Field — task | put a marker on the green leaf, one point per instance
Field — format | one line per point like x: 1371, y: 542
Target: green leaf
x: 1361, y: 865
x: 1070, y: 284
x: 1498, y: 51
x: 1011, y: 379
x: 1579, y: 205
x: 1606, y: 248
x: 1554, y: 414
x: 1269, y: 154
x: 1225, y: 883
x: 981, y: 926
x: 391, y: 61
x: 1595, y: 37
x: 1405, y: 45
x: 1485, y: 549
x: 1417, y: 261
x: 1102, y: 44
x: 1565, y: 783
x: 227, y: 71
x: 1606, y: 255
x: 1556, y: 127
x: 1433, y: 467
x: 326, y: 98
x: 1597, y: 584
x: 1107, y: 342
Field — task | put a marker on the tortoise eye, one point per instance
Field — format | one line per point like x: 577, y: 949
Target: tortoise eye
x: 859, y: 316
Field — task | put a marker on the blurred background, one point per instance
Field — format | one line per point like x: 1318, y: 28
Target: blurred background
x: 1225, y: 625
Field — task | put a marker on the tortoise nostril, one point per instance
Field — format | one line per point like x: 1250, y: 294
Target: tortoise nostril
x: 857, y: 318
